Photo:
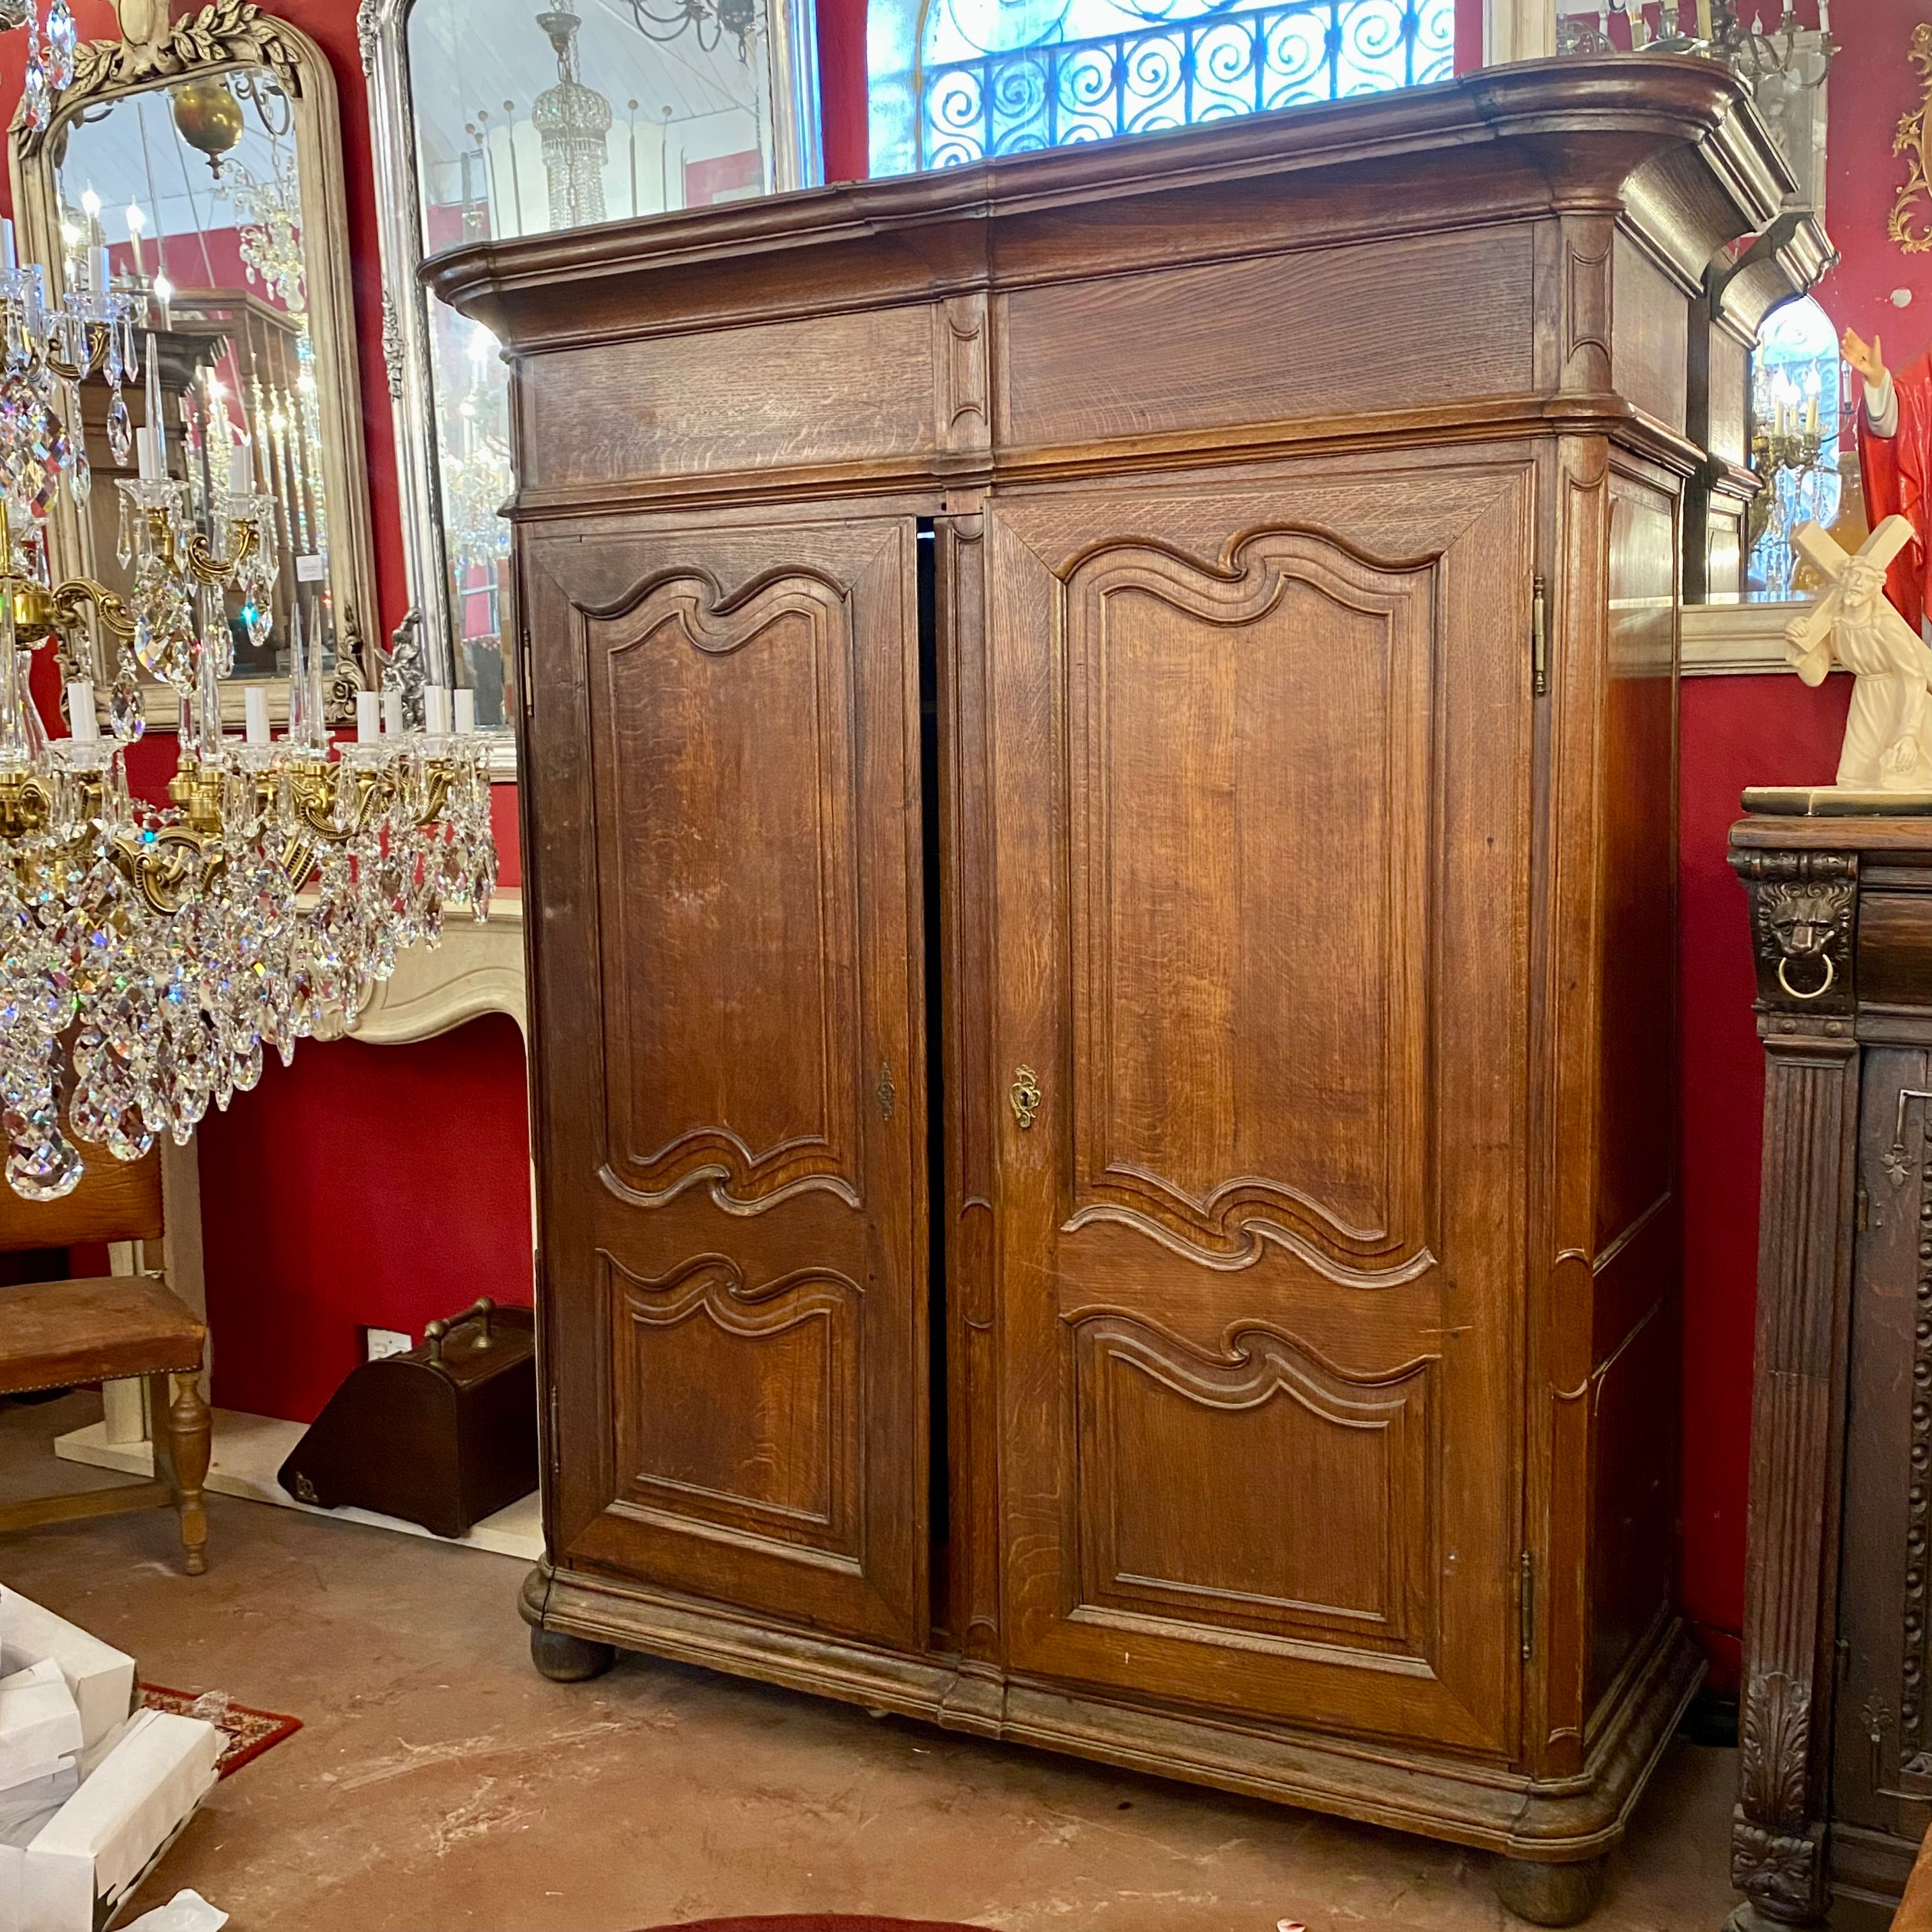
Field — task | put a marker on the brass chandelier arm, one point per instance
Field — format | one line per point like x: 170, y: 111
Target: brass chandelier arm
x: 210, y: 569
x: 68, y: 601
x: 26, y: 805
x: 161, y: 871
x: 438, y: 780
x: 315, y: 791
x: 97, y: 337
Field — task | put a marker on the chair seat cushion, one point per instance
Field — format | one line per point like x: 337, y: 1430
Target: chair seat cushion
x: 54, y: 1333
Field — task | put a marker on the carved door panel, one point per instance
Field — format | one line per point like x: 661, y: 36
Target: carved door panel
x: 1261, y: 796
x: 731, y: 1099
x: 1881, y: 1765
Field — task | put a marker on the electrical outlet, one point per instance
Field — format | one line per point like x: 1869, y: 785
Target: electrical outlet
x: 377, y: 1343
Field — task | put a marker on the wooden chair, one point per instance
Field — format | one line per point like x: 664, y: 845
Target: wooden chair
x: 115, y: 1328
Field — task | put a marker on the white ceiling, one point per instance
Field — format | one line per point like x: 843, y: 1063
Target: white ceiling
x: 468, y: 55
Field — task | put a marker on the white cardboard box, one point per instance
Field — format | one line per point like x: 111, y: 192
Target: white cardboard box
x: 101, y: 1677
x: 103, y: 1839
x: 40, y: 1725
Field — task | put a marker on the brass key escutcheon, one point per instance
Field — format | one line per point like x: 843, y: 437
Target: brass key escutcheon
x: 1025, y: 1095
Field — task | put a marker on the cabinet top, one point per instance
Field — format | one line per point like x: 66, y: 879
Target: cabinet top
x: 1671, y: 144
x: 1906, y: 837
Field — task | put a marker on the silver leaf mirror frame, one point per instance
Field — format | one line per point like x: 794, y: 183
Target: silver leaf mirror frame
x: 234, y: 38
x: 786, y: 87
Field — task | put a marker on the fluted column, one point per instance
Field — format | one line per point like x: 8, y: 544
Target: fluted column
x: 1803, y: 907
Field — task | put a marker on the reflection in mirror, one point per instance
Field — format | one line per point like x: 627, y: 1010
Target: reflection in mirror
x: 1795, y: 382
x: 526, y: 120
x: 189, y: 198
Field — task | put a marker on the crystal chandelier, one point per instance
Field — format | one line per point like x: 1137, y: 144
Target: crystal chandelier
x: 1803, y: 54
x: 272, y: 237
x: 148, y: 955
x: 709, y: 20
x: 573, y: 121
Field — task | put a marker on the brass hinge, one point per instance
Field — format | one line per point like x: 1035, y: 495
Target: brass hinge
x: 1539, y: 638
x: 1865, y: 1210
x: 524, y: 663
x: 1526, y: 1606
x: 553, y: 1432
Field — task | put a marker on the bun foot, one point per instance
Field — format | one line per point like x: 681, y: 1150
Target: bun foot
x: 564, y: 1659
x: 1550, y: 1894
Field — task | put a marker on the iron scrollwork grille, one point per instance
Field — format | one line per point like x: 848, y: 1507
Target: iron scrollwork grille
x: 1230, y: 61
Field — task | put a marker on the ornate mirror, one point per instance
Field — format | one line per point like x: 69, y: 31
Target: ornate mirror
x: 497, y: 118
x: 197, y: 166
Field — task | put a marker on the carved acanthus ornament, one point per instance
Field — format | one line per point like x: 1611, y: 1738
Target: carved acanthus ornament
x: 394, y: 351
x: 367, y: 18
x: 1914, y: 138
x: 224, y: 33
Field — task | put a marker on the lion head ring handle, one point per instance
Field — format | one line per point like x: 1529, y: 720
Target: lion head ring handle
x: 1818, y: 991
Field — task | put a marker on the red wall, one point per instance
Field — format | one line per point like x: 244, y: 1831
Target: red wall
x: 361, y: 1184
x: 1737, y: 731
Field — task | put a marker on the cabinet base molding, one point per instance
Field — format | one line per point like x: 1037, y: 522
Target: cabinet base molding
x: 1485, y: 1806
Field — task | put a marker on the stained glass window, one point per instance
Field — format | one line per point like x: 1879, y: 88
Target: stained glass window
x: 1796, y: 426
x: 958, y: 81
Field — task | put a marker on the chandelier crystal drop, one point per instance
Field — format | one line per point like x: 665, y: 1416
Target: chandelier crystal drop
x: 50, y: 51
x: 150, y: 955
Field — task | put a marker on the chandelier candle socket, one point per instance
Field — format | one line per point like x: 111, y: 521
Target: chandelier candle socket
x: 158, y: 951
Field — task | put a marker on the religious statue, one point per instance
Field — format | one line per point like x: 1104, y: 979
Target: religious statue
x: 1888, y: 736
x: 1895, y: 460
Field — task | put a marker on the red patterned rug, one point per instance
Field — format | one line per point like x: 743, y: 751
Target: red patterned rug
x: 249, y: 1733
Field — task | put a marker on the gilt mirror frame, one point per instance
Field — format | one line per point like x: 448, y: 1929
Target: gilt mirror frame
x: 382, y: 29
x: 224, y: 38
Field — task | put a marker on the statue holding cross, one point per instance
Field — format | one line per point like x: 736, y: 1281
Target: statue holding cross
x: 1888, y: 736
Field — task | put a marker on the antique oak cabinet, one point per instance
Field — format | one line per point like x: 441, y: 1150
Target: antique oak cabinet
x: 1099, y: 742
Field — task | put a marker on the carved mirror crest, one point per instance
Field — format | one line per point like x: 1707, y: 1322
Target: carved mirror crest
x: 501, y: 118
x: 197, y: 164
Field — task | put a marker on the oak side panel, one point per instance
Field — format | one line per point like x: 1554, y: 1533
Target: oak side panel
x: 1650, y: 336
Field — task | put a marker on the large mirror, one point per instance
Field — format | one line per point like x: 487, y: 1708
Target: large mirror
x: 498, y: 118
x: 197, y: 167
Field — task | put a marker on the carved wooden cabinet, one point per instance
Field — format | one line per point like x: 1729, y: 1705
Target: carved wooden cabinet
x: 1836, y: 1728
x: 1099, y: 804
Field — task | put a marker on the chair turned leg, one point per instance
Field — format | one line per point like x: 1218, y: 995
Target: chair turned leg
x: 181, y: 1444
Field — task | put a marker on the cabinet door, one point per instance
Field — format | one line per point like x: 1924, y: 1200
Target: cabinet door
x: 1881, y: 1770
x: 1262, y: 759
x: 723, y: 774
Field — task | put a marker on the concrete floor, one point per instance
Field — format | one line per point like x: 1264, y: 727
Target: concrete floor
x: 441, y: 1783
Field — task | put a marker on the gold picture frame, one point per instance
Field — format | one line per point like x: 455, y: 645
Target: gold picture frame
x: 229, y: 37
